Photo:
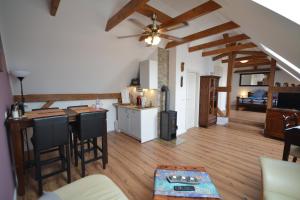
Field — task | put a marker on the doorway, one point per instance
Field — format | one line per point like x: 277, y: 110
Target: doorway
x: 191, y: 92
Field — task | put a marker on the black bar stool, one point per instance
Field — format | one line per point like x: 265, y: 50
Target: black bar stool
x: 51, y: 134
x: 89, y: 127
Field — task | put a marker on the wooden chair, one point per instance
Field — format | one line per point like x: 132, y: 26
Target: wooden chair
x: 289, y: 122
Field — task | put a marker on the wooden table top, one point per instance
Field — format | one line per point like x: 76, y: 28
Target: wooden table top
x: 79, y: 110
x: 44, y: 113
x: 186, y: 168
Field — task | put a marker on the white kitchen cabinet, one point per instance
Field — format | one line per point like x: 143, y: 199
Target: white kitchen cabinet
x: 149, y: 74
x: 138, y: 123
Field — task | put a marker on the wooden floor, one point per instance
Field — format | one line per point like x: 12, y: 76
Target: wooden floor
x: 248, y: 117
x: 230, y: 156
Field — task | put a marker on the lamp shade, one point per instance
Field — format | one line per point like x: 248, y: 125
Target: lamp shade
x: 20, y: 73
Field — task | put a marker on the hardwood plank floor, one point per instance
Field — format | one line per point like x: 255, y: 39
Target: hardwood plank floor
x: 230, y: 156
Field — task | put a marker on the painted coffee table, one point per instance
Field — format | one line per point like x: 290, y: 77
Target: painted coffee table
x: 163, y: 190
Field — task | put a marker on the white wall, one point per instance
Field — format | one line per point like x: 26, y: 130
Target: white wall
x: 71, y: 52
x: 193, y: 63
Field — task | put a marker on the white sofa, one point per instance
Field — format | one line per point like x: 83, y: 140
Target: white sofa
x: 94, y: 187
x: 281, y: 179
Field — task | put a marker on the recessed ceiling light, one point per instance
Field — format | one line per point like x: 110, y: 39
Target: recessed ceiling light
x: 244, y: 61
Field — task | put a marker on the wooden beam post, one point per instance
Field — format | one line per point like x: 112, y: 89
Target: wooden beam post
x: 126, y: 11
x: 54, y: 6
x: 229, y: 81
x: 271, y: 83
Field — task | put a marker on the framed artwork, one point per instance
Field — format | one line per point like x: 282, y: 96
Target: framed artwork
x: 2, y: 57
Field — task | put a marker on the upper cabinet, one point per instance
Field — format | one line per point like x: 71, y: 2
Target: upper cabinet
x: 148, y: 74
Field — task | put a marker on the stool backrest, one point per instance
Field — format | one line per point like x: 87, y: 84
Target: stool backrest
x: 91, y: 125
x: 290, y: 121
x: 49, y: 132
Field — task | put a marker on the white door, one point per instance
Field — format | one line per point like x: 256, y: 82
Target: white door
x: 191, y: 100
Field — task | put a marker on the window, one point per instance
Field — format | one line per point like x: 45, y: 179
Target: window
x: 287, y: 8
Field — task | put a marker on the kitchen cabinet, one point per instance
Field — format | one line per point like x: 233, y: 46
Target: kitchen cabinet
x: 138, y: 123
x: 149, y: 74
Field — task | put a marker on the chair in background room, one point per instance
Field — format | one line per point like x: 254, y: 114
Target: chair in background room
x: 289, y: 122
x: 51, y: 134
x: 89, y: 126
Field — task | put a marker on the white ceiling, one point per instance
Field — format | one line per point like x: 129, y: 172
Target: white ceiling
x: 261, y: 24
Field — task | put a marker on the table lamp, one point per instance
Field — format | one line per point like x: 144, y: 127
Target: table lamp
x: 21, y: 74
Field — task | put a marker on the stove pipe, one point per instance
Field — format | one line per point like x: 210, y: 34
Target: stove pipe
x: 165, y: 89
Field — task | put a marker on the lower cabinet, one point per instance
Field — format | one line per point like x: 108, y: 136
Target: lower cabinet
x: 138, y: 123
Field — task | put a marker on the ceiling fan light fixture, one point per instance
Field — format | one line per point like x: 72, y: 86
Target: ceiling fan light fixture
x: 155, y: 40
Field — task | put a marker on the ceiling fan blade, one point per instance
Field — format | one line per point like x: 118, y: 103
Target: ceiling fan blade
x: 129, y: 36
x: 170, y: 37
x: 178, y: 26
x: 138, y: 23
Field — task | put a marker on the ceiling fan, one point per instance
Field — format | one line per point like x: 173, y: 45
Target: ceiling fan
x: 152, y: 33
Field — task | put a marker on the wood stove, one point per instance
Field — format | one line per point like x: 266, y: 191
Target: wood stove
x: 168, y: 118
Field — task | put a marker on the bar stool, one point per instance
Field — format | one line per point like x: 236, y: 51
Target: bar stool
x: 89, y: 127
x: 51, y: 134
x: 72, y: 124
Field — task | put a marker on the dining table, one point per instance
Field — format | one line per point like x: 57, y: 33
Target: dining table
x: 16, y: 126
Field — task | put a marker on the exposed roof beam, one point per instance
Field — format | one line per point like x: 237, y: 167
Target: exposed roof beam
x: 208, y: 32
x: 229, y: 49
x: 54, y: 6
x: 196, y: 12
x: 126, y: 11
x: 219, y: 42
x: 255, y: 70
x: 220, y: 56
x: 246, y: 58
x: 256, y: 63
x: 251, y: 53
x: 149, y: 10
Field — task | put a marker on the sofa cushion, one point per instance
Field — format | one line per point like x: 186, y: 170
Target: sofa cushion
x: 280, y: 178
x: 94, y: 187
x: 259, y: 94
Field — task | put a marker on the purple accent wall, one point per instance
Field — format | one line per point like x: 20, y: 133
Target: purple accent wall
x: 6, y: 177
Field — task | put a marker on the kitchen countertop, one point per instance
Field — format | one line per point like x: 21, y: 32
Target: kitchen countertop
x: 134, y: 107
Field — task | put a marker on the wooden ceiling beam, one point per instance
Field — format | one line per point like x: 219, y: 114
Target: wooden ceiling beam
x: 208, y: 32
x: 126, y: 11
x: 148, y: 11
x: 249, y: 64
x: 246, y: 58
x: 251, y: 53
x: 229, y: 49
x: 220, y: 56
x: 53, y: 7
x: 194, y: 13
x: 219, y: 42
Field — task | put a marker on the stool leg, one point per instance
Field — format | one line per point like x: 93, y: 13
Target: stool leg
x: 76, y: 150
x: 82, y: 159
x: 68, y: 163
x: 38, y: 172
x: 71, y: 143
x: 95, y: 147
